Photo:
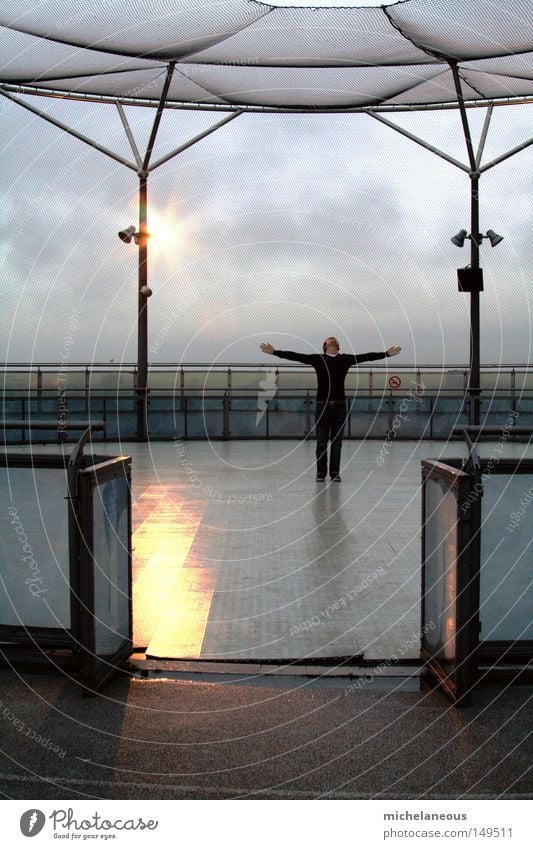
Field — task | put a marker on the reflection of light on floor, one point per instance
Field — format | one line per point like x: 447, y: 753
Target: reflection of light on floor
x: 171, y: 594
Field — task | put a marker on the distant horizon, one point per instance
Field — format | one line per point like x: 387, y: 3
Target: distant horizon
x: 396, y: 365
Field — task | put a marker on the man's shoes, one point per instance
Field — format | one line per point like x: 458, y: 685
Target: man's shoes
x: 320, y: 478
x: 336, y: 478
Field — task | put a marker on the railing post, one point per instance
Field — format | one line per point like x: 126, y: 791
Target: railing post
x: 225, y: 413
x: 39, y: 388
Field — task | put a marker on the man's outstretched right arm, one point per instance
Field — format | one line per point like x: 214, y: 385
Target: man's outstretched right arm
x: 267, y: 348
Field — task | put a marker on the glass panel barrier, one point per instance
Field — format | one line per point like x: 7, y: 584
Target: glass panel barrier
x: 34, y: 550
x: 506, y: 592
x: 111, y: 564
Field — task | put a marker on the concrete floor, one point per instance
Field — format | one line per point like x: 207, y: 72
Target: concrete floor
x: 240, y: 554
x: 242, y: 737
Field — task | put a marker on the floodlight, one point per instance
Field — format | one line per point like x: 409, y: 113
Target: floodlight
x: 494, y: 238
x: 459, y: 238
x: 146, y: 291
x: 127, y: 235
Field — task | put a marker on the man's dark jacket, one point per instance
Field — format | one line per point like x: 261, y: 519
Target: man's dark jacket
x: 330, y: 370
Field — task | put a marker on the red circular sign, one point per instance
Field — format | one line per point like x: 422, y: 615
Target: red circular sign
x: 395, y: 382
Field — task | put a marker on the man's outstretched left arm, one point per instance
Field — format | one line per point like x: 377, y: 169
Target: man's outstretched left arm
x: 365, y: 358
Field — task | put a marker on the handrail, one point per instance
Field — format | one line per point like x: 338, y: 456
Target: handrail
x: 49, y: 424
x: 260, y: 364
x: 76, y: 453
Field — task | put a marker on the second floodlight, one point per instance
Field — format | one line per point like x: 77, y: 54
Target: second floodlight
x: 493, y: 238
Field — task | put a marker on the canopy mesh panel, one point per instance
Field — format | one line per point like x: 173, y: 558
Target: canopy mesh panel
x: 241, y: 53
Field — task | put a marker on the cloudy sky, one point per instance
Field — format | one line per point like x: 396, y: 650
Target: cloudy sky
x: 281, y: 228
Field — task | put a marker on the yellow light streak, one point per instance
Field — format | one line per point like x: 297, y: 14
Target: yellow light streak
x: 171, y: 594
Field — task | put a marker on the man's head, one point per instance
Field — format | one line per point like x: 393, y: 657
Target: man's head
x: 331, y: 345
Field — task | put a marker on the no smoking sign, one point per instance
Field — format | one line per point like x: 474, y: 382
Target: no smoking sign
x: 395, y: 382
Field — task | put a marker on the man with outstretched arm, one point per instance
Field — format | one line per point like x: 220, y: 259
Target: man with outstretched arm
x: 330, y: 416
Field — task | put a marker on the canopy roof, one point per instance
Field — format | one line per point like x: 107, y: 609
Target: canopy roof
x: 243, y: 54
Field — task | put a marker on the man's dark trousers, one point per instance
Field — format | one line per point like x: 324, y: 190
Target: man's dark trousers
x: 329, y: 424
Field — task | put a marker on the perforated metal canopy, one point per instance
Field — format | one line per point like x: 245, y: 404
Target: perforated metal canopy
x: 243, y: 54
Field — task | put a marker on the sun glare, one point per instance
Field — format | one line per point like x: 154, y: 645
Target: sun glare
x: 167, y: 232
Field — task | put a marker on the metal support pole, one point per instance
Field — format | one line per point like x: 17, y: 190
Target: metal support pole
x: 70, y: 130
x: 142, y: 318
x: 505, y: 156
x: 416, y: 139
x: 129, y: 134
x: 475, y: 240
x: 194, y: 140
x: 158, y: 116
x: 483, y: 138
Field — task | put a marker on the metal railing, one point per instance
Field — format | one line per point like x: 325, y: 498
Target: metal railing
x: 388, y: 416
x: 183, y: 377
x: 261, y: 400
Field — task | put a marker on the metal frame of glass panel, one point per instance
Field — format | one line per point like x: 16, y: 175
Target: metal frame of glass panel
x: 449, y: 655
x: 96, y: 667
x: 480, y: 584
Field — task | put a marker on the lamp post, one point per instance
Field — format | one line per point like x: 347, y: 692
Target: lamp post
x: 140, y: 238
x: 142, y: 312
x: 471, y: 280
